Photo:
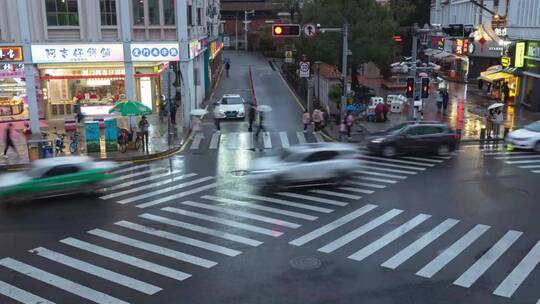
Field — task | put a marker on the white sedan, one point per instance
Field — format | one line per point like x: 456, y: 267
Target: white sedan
x: 230, y: 106
x: 309, y: 164
x: 526, y: 138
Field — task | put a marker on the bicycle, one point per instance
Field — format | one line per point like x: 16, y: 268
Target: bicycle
x: 74, y: 145
x: 139, y: 141
x: 123, y: 141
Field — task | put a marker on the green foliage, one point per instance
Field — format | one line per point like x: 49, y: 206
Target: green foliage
x: 335, y: 93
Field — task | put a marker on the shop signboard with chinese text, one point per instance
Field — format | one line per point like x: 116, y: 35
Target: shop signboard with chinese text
x: 505, y: 61
x: 155, y: 52
x: 461, y: 46
x: 215, y: 47
x: 11, y: 53
x: 65, y: 53
x: 533, y: 50
x: 520, y: 55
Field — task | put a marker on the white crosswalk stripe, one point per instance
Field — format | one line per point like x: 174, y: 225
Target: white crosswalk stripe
x: 177, y: 195
x: 437, y: 161
x: 20, y: 295
x: 358, y: 232
x: 518, y: 156
x: 415, y: 247
x: 530, y: 167
x: 214, y: 141
x: 284, y: 139
x: 267, y: 141
x: 515, y: 162
x: 140, y: 181
x: 318, y: 137
x: 380, y: 163
x: 200, y: 229
x: 376, y: 186
x: 388, y: 170
x: 222, y: 221
x: 301, y: 137
x: 179, y: 238
x: 389, y: 237
x: 512, y: 282
x: 489, y: 258
x: 400, y: 161
x: 381, y: 174
x: 139, y: 173
x: 232, y: 140
x: 97, y: 271
x: 164, y: 190
x: 153, y: 248
x: 60, y: 282
x: 196, y: 141
x: 313, y: 198
x: 265, y: 219
x: 130, y: 168
x: 351, y: 189
x: 259, y: 207
x: 148, y: 186
x: 452, y: 252
x: 280, y: 201
x: 375, y: 179
x: 127, y: 259
x: 337, y: 194
x: 332, y: 226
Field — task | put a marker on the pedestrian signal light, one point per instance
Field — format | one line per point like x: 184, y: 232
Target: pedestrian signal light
x: 410, y: 87
x: 286, y: 30
x: 425, y: 87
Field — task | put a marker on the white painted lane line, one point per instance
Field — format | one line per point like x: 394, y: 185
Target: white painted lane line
x: 140, y: 181
x: 512, y: 282
x: 201, y: 229
x: 232, y: 140
x: 388, y: 170
x: 188, y: 258
x: 60, y: 282
x: 131, y: 168
x: 446, y: 157
x: 313, y: 198
x: 535, y: 171
x: 179, y: 238
x: 178, y: 195
x: 97, y: 271
x: 284, y: 139
x: 225, y: 222
x: 376, y: 186
x: 351, y: 189
x: 452, y: 252
x: 20, y: 295
x: 332, y: 226
x: 338, y: 194
x: 380, y: 174
x: 530, y: 167
x: 280, y: 201
x: 507, y: 153
x: 260, y: 207
x: 379, y: 164
x: 123, y: 177
x: 301, y: 137
x: 515, y: 162
x: 415, y: 247
x: 374, y: 179
x: 431, y: 160
x: 518, y: 157
x: 388, y: 238
x: 127, y: 259
x: 148, y: 186
x: 400, y: 161
x: 265, y: 219
x: 164, y: 190
x: 196, y: 141
x: 214, y: 141
x: 358, y: 232
x: 266, y: 140
x: 318, y: 137
x: 489, y: 258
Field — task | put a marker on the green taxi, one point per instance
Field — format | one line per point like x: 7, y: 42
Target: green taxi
x: 54, y: 177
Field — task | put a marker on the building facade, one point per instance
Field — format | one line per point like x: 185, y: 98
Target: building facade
x: 101, y: 51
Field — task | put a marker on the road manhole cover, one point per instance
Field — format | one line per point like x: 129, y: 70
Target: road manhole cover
x: 239, y: 173
x: 305, y: 263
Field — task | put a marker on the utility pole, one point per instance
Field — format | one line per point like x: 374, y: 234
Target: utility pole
x: 412, y: 70
x: 344, y: 70
x: 246, y: 27
x: 236, y: 30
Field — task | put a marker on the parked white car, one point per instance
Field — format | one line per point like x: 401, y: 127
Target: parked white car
x: 308, y: 164
x: 526, y: 138
x: 230, y: 106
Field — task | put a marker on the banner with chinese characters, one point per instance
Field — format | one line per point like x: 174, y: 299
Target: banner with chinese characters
x: 92, y: 136
x: 11, y: 53
x: 111, y: 135
x: 77, y: 53
x: 155, y: 51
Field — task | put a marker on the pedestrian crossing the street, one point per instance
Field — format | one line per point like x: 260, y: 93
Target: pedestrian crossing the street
x: 430, y: 247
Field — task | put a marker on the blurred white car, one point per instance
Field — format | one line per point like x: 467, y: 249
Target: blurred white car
x: 230, y: 106
x: 308, y: 164
x: 526, y: 138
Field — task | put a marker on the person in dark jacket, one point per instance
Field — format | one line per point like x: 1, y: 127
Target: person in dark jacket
x: 251, y: 116
x: 8, y: 141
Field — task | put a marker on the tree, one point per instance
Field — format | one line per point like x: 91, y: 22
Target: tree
x: 334, y: 94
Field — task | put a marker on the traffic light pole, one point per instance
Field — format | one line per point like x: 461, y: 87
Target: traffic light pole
x: 344, y: 70
x: 412, y: 71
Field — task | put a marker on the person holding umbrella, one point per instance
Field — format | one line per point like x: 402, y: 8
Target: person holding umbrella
x: 144, y: 127
x: 251, y: 116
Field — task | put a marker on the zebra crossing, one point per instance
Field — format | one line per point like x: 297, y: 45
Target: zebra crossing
x: 526, y: 160
x: 248, y: 141
x: 431, y: 248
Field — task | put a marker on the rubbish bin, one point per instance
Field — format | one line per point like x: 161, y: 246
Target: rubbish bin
x: 39, y: 148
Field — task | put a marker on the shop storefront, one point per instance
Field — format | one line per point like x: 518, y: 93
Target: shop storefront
x: 452, y: 58
x: 485, y: 50
x: 214, y: 63
x: 497, y: 78
x: 527, y: 60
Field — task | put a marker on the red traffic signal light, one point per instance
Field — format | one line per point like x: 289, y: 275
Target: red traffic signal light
x: 425, y: 87
x: 286, y: 30
x: 398, y: 38
x: 410, y: 87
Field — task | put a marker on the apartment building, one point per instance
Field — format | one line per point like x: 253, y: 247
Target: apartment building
x: 102, y: 51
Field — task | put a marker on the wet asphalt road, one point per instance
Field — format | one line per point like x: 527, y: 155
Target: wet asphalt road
x: 190, y: 229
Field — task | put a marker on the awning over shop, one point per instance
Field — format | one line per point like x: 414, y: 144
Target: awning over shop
x: 513, y: 71
x: 442, y: 55
x: 494, y: 76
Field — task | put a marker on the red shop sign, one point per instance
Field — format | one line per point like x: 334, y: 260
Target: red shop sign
x: 11, y: 53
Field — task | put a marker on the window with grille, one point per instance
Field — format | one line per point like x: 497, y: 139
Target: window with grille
x: 62, y: 12
x: 108, y: 12
x: 168, y: 12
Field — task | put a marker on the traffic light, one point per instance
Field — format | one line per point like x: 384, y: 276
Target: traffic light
x: 410, y: 87
x: 425, y: 87
x: 398, y: 38
x: 286, y: 30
